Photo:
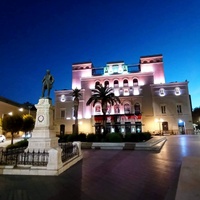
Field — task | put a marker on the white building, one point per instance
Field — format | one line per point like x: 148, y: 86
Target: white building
x: 148, y: 102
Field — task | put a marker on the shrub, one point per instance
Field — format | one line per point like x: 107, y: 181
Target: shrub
x: 63, y: 138
x: 127, y: 137
x: 82, y: 137
x: 114, y: 137
x: 72, y: 137
x: 91, y: 137
x: 147, y: 135
x: 22, y: 143
x: 137, y: 137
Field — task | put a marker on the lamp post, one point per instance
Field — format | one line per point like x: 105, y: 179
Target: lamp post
x: 29, y: 109
x: 159, y: 121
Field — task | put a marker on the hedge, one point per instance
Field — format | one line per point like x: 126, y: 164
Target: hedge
x: 111, y: 137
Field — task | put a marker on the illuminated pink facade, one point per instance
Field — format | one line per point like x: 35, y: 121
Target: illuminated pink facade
x: 148, y: 103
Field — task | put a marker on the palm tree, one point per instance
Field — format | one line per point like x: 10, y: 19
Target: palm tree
x: 104, y: 95
x: 76, y: 93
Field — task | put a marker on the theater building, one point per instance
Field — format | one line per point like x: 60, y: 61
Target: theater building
x: 148, y: 103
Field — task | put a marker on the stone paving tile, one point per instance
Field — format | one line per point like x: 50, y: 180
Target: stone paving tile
x: 110, y: 174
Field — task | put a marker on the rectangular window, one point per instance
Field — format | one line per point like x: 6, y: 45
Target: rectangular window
x: 179, y: 109
x: 163, y: 109
x: 62, y: 114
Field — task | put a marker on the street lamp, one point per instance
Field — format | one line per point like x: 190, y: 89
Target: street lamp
x: 159, y: 121
x: 10, y: 113
x: 29, y: 109
x: 21, y: 109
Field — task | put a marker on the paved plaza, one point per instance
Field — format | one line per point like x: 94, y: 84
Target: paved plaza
x: 110, y: 175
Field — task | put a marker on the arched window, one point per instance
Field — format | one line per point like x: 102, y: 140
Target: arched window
x: 135, y: 82
x: 108, y: 109
x: 127, y: 108
x: 116, y: 108
x: 125, y: 82
x: 97, y: 83
x: 137, y: 108
x: 116, y: 83
x: 106, y: 84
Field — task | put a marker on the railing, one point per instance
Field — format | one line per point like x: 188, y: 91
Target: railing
x: 97, y: 71
x: 33, y: 158
x: 19, y: 156
x: 133, y: 68
x: 68, y: 151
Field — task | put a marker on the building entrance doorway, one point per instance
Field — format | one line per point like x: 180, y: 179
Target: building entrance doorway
x: 181, y: 127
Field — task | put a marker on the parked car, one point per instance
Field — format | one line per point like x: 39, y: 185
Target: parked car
x: 2, y: 138
x: 27, y: 135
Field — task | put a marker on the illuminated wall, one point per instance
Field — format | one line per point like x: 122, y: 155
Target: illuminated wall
x: 139, y: 85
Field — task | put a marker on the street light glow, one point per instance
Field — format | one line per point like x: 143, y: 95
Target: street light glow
x: 10, y: 113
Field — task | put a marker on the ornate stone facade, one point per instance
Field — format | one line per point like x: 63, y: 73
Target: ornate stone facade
x: 148, y: 102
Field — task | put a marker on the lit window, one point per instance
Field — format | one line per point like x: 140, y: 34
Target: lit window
x: 162, y: 92
x: 163, y: 109
x: 179, y: 109
x: 108, y: 109
x: 177, y: 91
x: 97, y: 109
x: 117, y: 109
x: 127, y: 108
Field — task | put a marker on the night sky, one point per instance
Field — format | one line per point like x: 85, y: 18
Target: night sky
x: 36, y: 35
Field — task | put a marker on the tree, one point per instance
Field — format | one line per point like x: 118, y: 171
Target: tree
x: 28, y: 123
x: 12, y: 124
x: 76, y: 93
x: 104, y: 96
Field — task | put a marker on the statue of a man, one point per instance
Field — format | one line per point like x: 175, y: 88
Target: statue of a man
x: 47, y: 82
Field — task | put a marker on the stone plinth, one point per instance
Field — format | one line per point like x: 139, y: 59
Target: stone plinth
x: 43, y: 136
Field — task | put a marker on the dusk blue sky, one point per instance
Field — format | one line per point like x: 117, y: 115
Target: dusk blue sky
x: 36, y: 35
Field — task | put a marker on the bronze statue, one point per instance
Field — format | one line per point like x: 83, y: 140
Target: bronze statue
x: 47, y: 81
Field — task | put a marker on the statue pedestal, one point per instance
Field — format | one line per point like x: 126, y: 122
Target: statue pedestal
x: 43, y: 136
